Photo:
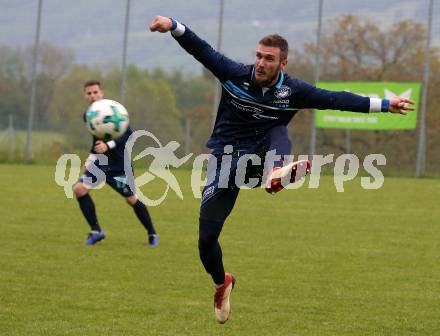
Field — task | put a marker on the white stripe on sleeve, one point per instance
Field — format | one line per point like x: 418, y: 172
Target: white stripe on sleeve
x: 180, y: 29
x: 111, y: 144
x: 375, y: 104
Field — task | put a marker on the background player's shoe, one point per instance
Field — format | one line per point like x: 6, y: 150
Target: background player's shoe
x: 291, y: 173
x: 153, y: 240
x: 94, y: 237
x: 222, y: 308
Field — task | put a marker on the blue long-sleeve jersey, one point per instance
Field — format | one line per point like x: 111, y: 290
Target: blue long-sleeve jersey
x: 245, y: 113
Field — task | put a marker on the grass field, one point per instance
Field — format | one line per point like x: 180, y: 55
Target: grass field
x: 307, y: 262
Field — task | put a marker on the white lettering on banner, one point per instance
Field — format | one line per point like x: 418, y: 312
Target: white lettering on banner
x: 372, y: 120
x: 351, y: 120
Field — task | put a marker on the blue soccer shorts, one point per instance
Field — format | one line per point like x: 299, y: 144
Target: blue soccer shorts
x: 116, y: 180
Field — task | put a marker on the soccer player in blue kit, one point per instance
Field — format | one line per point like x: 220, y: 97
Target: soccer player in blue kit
x: 114, y: 177
x: 257, y: 103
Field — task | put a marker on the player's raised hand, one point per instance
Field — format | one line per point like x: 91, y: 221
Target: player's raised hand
x: 161, y: 24
x: 398, y: 105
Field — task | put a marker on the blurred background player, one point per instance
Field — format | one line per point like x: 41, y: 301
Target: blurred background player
x: 114, y: 177
x: 257, y: 103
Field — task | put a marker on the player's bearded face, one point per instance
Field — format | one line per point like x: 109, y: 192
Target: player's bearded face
x: 267, y: 65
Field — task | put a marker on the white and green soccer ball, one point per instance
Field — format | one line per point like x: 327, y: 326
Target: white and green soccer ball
x: 107, y: 119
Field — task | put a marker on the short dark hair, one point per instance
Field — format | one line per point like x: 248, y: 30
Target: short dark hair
x: 277, y: 41
x: 92, y: 82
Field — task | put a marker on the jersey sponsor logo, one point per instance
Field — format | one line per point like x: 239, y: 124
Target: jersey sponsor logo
x: 283, y: 92
x: 257, y: 113
x: 281, y: 103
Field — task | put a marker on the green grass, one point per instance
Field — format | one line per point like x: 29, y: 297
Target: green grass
x: 308, y: 262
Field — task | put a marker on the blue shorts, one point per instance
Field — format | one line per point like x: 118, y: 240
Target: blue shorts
x: 118, y: 182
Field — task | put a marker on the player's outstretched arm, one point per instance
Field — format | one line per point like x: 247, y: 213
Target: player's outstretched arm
x: 221, y: 66
x: 310, y: 96
x: 398, y: 105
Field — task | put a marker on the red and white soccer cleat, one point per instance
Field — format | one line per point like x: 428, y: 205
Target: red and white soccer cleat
x: 281, y: 176
x: 222, y: 308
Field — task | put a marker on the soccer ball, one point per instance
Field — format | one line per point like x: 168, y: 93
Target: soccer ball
x: 106, y: 119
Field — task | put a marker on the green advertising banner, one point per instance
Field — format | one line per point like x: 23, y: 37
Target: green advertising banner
x: 370, y: 121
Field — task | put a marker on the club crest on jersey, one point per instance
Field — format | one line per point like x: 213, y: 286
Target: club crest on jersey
x: 283, y: 92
